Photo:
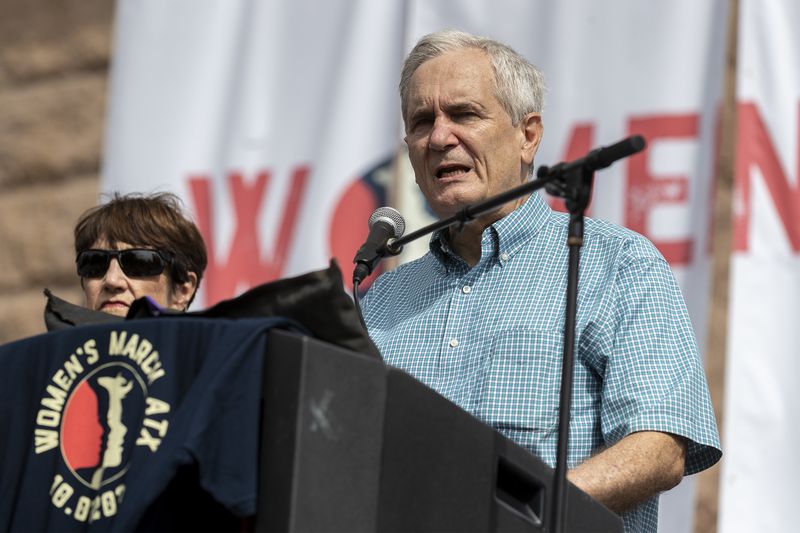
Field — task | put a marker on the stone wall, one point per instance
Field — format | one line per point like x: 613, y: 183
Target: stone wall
x: 54, y: 58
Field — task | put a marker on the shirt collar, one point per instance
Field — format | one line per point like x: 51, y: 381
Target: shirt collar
x: 509, y: 233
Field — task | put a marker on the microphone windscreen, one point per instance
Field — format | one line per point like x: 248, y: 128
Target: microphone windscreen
x: 390, y: 216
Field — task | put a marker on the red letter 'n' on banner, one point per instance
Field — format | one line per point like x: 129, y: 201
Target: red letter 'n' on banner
x: 754, y: 149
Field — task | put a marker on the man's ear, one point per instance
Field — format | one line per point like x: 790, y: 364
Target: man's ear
x: 182, y: 293
x: 532, y: 130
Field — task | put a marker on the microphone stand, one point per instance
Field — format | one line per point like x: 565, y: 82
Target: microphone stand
x: 571, y: 181
x: 575, y: 187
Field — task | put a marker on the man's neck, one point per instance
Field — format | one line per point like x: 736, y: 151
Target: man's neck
x: 466, y: 242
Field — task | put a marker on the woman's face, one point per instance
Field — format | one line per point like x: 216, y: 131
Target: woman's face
x: 115, y: 291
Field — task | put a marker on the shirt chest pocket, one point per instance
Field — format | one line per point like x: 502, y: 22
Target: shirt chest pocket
x: 522, y: 382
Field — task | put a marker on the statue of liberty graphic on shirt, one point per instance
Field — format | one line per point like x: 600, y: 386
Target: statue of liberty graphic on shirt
x: 94, y: 431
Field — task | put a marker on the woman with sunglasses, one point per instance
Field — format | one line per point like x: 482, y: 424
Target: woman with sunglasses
x: 136, y: 246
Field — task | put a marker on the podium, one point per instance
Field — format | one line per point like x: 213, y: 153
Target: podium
x: 350, y: 444
x: 187, y: 423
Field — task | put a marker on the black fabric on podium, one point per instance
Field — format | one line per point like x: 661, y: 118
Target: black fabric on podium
x: 60, y: 314
x: 317, y: 300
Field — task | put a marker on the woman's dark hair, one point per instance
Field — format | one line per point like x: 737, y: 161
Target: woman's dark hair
x: 152, y: 221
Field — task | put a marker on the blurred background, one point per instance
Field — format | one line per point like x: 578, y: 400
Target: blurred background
x: 278, y: 124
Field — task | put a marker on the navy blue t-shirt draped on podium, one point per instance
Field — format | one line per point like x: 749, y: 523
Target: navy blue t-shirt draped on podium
x: 98, y: 420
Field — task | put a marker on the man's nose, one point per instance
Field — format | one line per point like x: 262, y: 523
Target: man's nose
x: 442, y: 135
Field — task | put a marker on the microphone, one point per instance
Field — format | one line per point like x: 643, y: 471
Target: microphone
x: 384, y: 223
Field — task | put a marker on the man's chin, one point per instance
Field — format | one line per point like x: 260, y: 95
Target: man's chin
x: 450, y: 207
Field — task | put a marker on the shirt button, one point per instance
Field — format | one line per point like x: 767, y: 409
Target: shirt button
x: 504, y: 257
x: 466, y: 289
x: 453, y: 343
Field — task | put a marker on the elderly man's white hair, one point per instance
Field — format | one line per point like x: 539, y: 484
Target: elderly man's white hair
x: 518, y: 85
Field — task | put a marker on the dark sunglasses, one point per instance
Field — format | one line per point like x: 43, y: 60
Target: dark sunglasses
x: 135, y: 262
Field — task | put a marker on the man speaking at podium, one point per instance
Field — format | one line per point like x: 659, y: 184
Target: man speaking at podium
x: 480, y: 317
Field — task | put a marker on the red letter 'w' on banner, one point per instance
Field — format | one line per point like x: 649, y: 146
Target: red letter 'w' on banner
x: 246, y: 264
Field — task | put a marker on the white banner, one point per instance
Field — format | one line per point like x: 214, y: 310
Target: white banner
x: 271, y: 119
x: 760, y: 468
x: 277, y: 121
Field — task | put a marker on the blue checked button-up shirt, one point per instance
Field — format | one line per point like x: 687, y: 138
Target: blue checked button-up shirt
x: 490, y: 338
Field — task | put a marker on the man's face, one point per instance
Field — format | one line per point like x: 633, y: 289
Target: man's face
x: 115, y: 291
x: 461, y: 142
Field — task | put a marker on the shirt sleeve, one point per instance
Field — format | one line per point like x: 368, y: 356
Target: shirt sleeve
x: 654, y: 378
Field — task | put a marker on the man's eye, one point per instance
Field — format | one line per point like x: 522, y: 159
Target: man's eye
x: 466, y: 115
x: 420, y: 123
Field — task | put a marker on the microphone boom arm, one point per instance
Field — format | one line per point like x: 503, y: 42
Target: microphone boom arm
x: 465, y: 214
x: 564, y: 180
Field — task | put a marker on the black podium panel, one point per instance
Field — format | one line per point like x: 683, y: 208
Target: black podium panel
x: 321, y: 439
x: 437, y: 468
x: 349, y: 444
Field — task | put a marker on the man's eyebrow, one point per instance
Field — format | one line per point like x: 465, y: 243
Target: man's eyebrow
x: 420, y: 112
x: 464, y: 106
x: 456, y: 107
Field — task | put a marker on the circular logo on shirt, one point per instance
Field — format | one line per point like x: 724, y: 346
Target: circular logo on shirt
x: 96, y: 410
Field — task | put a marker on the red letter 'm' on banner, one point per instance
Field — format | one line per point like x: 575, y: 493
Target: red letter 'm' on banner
x: 754, y: 149
x: 246, y: 264
x: 644, y: 190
